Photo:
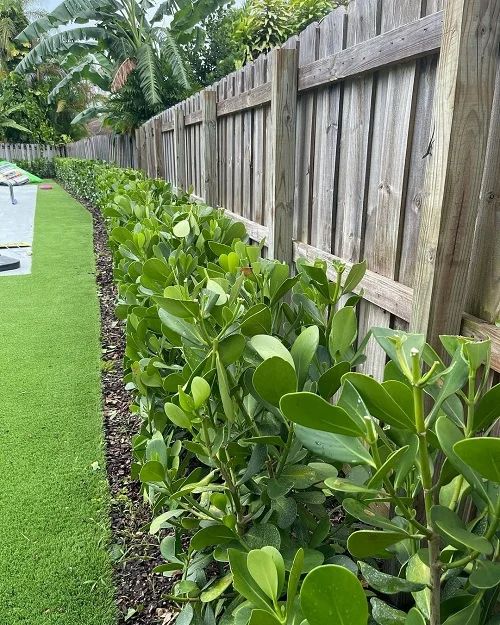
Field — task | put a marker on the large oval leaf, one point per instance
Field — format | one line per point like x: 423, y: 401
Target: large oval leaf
x: 268, y: 346
x: 334, y: 447
x: 487, y: 410
x: 367, y: 543
x: 453, y: 529
x: 387, y: 584
x: 274, y: 378
x: 329, y: 382
x: 449, y: 435
x: 482, y: 454
x: 314, y: 412
x: 303, y: 351
x: 212, y: 535
x: 379, y: 402
x: 332, y: 594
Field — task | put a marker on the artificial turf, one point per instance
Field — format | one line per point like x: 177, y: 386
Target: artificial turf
x: 54, y: 562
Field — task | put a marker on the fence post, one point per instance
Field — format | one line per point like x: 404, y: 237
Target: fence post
x: 462, y: 106
x: 159, y: 151
x: 284, y: 68
x: 209, y: 146
x: 179, y: 148
x: 484, y: 272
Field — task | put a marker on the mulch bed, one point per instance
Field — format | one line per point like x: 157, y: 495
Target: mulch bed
x: 134, y: 551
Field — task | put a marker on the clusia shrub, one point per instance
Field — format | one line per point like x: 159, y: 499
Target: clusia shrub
x: 257, y: 429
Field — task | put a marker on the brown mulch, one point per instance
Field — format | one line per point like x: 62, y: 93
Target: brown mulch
x: 134, y: 551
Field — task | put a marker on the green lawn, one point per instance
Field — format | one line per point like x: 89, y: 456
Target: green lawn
x: 54, y: 565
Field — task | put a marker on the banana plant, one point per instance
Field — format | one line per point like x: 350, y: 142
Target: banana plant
x: 121, y: 31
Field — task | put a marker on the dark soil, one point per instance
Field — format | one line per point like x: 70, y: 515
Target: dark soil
x: 134, y: 551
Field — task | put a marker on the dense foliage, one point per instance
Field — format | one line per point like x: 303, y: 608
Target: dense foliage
x: 25, y: 112
x: 257, y: 429
x: 264, y: 24
x: 118, y: 43
x: 41, y: 167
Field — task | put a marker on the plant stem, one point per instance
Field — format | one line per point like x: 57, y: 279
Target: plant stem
x: 286, y: 451
x: 426, y: 477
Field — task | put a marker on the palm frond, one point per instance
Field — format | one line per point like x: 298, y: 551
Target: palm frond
x: 172, y: 55
x: 89, y: 113
x: 122, y: 74
x: 51, y: 46
x: 94, y: 67
x: 65, y: 13
x: 10, y: 123
x: 148, y: 69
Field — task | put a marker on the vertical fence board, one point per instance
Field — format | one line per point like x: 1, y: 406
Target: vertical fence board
x: 283, y: 138
x: 464, y: 94
x: 328, y: 112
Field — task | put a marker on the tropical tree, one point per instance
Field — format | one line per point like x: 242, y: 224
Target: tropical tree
x: 6, y: 120
x: 106, y: 41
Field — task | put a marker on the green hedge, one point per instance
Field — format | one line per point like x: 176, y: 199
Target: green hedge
x: 257, y: 429
x: 41, y: 167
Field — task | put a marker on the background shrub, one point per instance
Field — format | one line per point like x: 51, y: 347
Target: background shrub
x: 41, y: 167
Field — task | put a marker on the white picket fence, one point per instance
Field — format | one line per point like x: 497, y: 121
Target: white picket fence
x: 29, y: 151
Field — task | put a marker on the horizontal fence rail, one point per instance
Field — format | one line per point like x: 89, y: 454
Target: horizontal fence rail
x: 29, y: 151
x: 366, y: 136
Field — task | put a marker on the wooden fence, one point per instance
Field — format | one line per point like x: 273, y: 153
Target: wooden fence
x: 29, y: 151
x: 119, y: 149
x: 373, y: 134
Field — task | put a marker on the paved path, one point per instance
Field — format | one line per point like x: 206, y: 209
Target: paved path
x: 16, y: 225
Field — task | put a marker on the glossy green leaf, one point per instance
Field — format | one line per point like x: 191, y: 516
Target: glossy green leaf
x: 452, y: 380
x: 231, y: 348
x: 269, y: 346
x: 263, y: 617
x: 181, y: 228
x: 363, y: 513
x: 485, y: 575
x: 261, y: 566
x: 332, y: 594
x: 211, y: 536
x: 384, y: 614
x: 344, y: 329
x: 184, y: 309
x: 387, y: 584
x: 453, y: 529
x: 257, y: 320
x: 482, y: 454
x: 417, y: 570
x: 389, y: 465
x: 312, y: 411
x: 469, y: 615
x: 200, y: 390
x: 263, y: 535
x: 487, y: 409
x: 354, y: 277
x: 334, y: 447
x: 274, y: 378
x: 243, y: 582
x: 293, y: 579
x: 368, y: 543
x: 303, y: 351
x: 225, y: 392
x: 415, y: 617
x: 329, y: 381
x: 152, y: 471
x: 448, y: 435
x: 177, y: 416
x: 379, y: 402
x: 215, y: 590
